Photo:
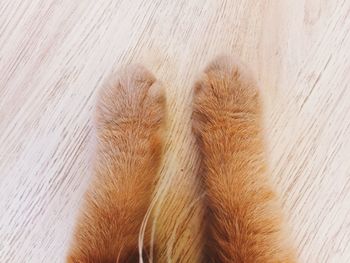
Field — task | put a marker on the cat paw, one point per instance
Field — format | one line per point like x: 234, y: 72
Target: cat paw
x: 132, y: 97
x: 225, y: 92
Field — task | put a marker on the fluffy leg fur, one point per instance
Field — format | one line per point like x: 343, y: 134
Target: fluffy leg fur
x: 244, y: 218
x: 128, y: 121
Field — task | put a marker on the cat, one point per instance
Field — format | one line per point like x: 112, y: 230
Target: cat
x: 243, y: 217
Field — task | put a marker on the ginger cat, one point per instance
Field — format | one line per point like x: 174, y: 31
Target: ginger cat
x: 244, y: 222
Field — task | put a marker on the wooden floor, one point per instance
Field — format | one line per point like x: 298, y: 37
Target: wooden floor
x: 54, y: 54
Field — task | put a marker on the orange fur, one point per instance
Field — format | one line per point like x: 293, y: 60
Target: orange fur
x: 244, y: 221
x: 244, y: 218
x: 129, y: 118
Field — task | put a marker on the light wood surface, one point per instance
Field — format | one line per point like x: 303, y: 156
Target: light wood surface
x: 54, y: 54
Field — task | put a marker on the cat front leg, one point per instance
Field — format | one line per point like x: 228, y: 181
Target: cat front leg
x: 129, y: 122
x: 243, y: 213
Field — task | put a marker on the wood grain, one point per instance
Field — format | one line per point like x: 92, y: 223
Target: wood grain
x: 54, y: 54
